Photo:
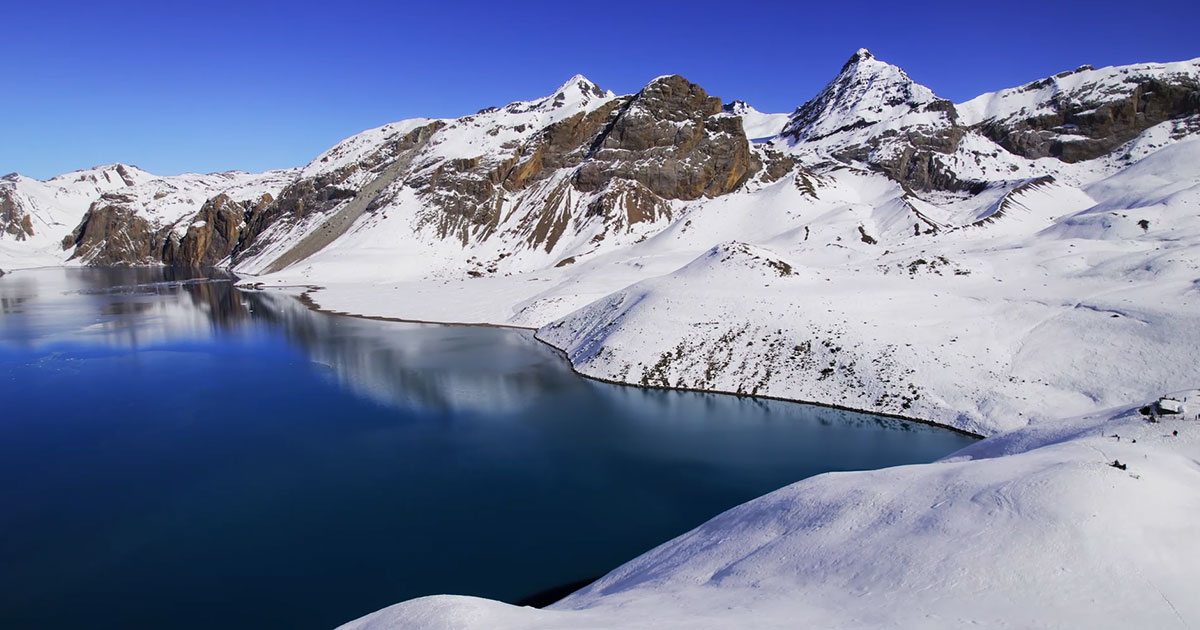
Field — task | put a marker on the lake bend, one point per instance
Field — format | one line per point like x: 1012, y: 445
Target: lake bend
x: 176, y: 452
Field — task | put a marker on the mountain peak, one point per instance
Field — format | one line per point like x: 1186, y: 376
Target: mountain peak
x: 738, y: 107
x: 579, y: 85
x: 115, y: 173
x: 861, y: 54
x: 866, y: 91
x: 578, y: 91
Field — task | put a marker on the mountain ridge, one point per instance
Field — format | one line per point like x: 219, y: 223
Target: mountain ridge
x: 539, y: 211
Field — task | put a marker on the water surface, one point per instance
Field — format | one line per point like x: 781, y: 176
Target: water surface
x: 175, y: 453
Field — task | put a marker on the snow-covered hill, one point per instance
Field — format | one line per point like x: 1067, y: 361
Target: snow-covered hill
x: 1082, y: 522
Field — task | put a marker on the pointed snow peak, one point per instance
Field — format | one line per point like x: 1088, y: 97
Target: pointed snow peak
x: 579, y: 85
x: 865, y: 92
x: 861, y: 60
x: 861, y: 54
x: 578, y: 81
x: 576, y: 92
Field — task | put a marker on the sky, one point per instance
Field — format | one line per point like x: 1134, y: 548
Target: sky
x: 201, y: 87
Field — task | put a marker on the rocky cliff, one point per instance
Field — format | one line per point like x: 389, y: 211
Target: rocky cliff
x: 581, y: 163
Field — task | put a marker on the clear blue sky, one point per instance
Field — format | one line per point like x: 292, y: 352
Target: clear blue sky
x: 219, y: 85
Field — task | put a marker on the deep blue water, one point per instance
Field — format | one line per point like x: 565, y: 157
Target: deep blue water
x: 175, y: 453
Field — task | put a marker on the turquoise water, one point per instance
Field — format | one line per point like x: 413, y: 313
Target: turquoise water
x: 175, y: 453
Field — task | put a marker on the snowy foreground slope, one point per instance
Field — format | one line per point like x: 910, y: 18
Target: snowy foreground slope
x: 1029, y: 529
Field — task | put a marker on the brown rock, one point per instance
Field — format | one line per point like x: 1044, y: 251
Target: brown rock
x: 13, y: 219
x: 113, y: 233
x: 674, y: 139
x: 1082, y: 129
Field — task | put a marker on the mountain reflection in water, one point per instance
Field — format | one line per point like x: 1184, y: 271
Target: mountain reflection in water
x: 175, y: 452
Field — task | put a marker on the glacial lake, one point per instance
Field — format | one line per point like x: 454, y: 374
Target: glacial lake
x: 176, y: 453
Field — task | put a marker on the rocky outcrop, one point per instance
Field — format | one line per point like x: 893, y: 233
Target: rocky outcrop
x: 915, y: 158
x: 14, y: 221
x: 669, y: 141
x: 466, y: 197
x: 1083, y: 124
x: 627, y: 203
x: 674, y: 139
x: 323, y: 193
x: 113, y: 233
x: 211, y: 236
x: 617, y: 161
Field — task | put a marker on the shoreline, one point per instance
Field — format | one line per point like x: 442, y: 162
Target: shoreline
x: 306, y: 299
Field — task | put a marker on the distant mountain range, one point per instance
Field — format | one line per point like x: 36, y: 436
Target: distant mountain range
x: 583, y: 171
x: 845, y: 253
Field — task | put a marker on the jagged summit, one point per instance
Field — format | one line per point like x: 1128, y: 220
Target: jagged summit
x: 866, y: 91
x: 673, y: 96
x: 582, y: 84
x: 578, y: 91
x: 737, y: 107
x: 859, y: 55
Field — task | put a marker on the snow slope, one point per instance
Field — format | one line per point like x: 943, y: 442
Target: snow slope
x: 984, y: 327
x: 1063, y: 304
x: 1031, y: 528
x: 759, y: 126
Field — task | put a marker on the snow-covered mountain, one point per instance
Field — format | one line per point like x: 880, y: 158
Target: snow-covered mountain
x: 879, y: 248
x: 1025, y: 264
x: 114, y: 214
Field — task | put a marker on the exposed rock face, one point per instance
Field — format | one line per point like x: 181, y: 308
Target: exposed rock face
x: 670, y: 139
x: 614, y: 160
x: 13, y: 219
x: 674, y: 139
x: 1086, y: 123
x: 775, y: 165
x: 214, y: 232
x: 327, y: 191
x: 913, y: 158
x: 626, y: 203
x: 112, y: 233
